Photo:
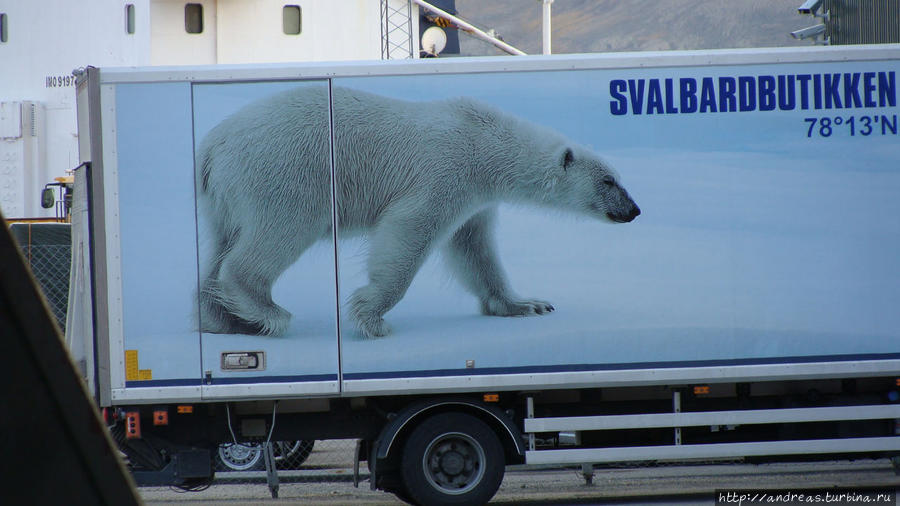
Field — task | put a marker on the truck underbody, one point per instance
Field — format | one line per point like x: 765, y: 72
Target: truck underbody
x: 469, y: 438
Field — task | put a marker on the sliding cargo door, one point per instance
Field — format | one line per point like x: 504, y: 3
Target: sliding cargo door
x: 266, y: 298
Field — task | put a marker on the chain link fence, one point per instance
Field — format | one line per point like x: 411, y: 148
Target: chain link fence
x: 47, y: 248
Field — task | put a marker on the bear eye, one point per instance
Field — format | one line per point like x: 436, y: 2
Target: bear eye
x: 609, y: 180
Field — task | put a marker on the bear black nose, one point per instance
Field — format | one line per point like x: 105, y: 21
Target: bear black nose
x: 624, y: 217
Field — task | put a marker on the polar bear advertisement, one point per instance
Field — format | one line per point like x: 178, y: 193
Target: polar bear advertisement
x: 410, y: 184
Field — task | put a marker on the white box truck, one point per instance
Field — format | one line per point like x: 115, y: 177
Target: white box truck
x: 471, y: 263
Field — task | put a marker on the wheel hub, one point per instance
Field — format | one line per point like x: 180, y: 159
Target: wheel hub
x: 452, y: 463
x: 240, y: 453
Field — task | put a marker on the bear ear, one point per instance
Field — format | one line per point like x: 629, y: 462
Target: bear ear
x: 568, y: 158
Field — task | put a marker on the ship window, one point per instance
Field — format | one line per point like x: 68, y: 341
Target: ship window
x: 4, y: 32
x: 291, y: 20
x: 129, y: 18
x: 193, y: 18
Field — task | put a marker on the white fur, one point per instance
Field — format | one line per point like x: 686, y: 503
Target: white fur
x: 407, y: 181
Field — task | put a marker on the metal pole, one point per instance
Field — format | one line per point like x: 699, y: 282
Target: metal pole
x: 546, y: 30
x: 468, y: 27
x: 529, y: 412
x: 676, y: 407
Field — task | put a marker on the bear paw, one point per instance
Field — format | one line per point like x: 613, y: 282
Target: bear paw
x: 368, y: 320
x: 220, y: 314
x: 374, y: 327
x: 506, y: 307
x: 265, y: 321
x: 274, y: 324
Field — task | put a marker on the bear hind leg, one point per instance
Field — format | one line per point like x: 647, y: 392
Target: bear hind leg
x: 240, y: 297
x: 214, y: 317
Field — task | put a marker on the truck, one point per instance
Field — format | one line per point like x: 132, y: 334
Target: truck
x: 295, y: 252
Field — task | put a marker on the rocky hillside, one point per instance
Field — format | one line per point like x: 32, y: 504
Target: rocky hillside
x: 635, y: 25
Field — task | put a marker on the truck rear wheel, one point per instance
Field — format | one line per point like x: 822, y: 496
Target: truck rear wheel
x: 452, y: 458
x: 239, y: 457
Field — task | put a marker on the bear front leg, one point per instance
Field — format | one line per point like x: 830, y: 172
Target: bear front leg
x: 398, y: 247
x: 472, y: 256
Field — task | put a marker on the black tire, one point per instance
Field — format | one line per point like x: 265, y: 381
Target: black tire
x: 452, y: 458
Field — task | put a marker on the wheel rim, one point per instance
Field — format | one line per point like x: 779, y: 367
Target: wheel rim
x: 239, y: 457
x: 454, y: 463
x: 284, y: 450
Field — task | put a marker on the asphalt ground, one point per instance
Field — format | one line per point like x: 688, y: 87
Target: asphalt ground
x: 656, y: 484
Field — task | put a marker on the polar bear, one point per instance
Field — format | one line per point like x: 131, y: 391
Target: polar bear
x: 413, y: 176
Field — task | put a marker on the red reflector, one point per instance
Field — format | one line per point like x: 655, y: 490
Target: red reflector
x: 161, y: 417
x: 132, y: 425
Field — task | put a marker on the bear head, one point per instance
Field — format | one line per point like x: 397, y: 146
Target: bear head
x: 586, y: 184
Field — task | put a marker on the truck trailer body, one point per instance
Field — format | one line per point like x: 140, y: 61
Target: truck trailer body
x: 469, y: 263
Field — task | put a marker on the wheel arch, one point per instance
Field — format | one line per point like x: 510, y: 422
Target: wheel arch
x: 391, y: 438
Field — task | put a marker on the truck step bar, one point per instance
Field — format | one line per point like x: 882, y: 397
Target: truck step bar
x: 680, y: 451
x: 737, y: 417
x: 706, y: 451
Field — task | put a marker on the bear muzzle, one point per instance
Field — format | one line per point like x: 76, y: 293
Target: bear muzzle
x: 625, y: 217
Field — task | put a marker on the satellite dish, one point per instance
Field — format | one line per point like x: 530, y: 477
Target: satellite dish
x: 433, y: 40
